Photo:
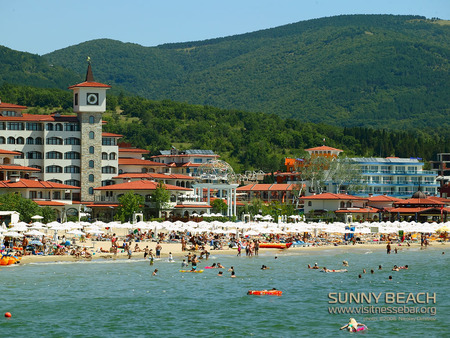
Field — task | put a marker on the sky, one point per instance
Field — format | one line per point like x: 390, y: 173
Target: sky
x: 43, y: 26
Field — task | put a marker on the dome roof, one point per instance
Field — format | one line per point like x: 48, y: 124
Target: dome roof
x: 419, y: 194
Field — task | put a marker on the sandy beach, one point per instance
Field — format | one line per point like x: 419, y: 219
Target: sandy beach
x: 175, y: 249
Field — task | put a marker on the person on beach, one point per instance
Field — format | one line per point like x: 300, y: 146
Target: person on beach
x: 184, y: 264
x: 388, y: 248
x: 158, y: 250
x: 155, y: 272
x: 151, y: 256
x: 170, y: 257
x: 189, y: 257
x: 256, y: 247
x: 129, y: 251
x: 146, y: 252
x: 239, y: 249
x: 194, y: 262
x: 395, y: 250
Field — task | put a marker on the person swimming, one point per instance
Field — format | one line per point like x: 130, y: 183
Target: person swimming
x: 353, y: 326
x: 314, y: 267
x: 264, y: 267
x: 220, y: 266
x: 344, y: 263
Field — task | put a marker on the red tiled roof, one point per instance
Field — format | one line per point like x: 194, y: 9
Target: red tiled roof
x: 104, y: 134
x: 4, y: 105
x: 187, y: 155
x: 90, y: 84
x: 133, y: 150
x: 136, y: 161
x: 281, y: 187
x: 154, y: 176
x: 50, y: 203
x: 418, y: 201
x: 9, y: 152
x: 195, y: 206
x: 417, y: 209
x: 267, y: 187
x: 140, y: 185
x: 330, y: 196
x: 103, y: 205
x: 17, y: 168
x: 323, y: 148
x: 26, y: 183
x: 367, y: 210
x: 383, y: 198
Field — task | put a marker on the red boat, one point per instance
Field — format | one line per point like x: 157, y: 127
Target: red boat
x: 275, y: 245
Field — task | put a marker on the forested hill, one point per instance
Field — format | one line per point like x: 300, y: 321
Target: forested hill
x: 382, y: 71
x: 246, y: 140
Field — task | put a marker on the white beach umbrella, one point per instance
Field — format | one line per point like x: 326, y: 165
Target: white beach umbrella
x: 76, y: 232
x: 19, y: 227
x: 34, y: 233
x: 37, y: 217
x: 13, y: 234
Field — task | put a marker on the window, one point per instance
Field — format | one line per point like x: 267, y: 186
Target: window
x: 72, y: 141
x: 20, y: 140
x: 91, y: 135
x: 91, y: 191
x: 72, y: 155
x: 33, y: 195
x: 36, y: 166
x: 91, y: 178
x: 104, y: 156
x: 11, y: 140
x: 34, y: 126
x: 34, y: 155
x: 72, y: 126
x: 54, y: 140
x: 91, y: 164
x: 54, y: 155
x: 53, y: 180
x: 53, y: 169
x: 19, y: 156
x: 56, y: 195
x: 15, y: 126
x: 76, y: 99
x: 108, y: 141
x: 49, y: 126
x: 2, y: 140
x: 38, y: 140
x: 197, y: 160
x: 144, y: 170
x: 342, y: 204
x: 112, y: 156
x: 91, y: 150
x: 75, y: 183
x: 108, y: 170
x: 58, y: 127
x: 309, y: 203
x: 2, y: 125
x: 72, y: 169
x: 107, y: 182
x: 30, y: 140
x: 91, y: 119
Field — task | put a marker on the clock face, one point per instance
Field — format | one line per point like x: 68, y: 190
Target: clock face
x: 92, y: 98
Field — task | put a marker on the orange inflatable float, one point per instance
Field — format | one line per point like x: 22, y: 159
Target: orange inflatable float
x: 9, y: 260
x: 265, y: 292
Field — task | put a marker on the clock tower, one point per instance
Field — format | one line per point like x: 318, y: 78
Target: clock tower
x: 89, y: 102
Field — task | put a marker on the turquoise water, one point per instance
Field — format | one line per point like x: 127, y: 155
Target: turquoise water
x: 122, y: 298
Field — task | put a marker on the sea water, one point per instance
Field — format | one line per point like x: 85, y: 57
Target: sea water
x: 106, y: 298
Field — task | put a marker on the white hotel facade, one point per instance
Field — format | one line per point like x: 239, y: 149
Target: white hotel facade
x: 68, y: 149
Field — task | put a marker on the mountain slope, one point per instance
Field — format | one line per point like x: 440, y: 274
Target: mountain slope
x: 368, y: 70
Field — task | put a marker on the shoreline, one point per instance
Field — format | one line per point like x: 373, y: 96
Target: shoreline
x: 175, y: 249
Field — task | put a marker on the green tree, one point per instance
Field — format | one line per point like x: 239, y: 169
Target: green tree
x: 219, y: 206
x: 15, y: 202
x: 129, y: 204
x: 49, y: 214
x: 161, y: 198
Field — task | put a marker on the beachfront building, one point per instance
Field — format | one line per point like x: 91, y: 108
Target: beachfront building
x: 185, y: 162
x: 442, y: 168
x: 346, y: 207
x: 393, y: 176
x: 66, y: 149
x: 282, y: 193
